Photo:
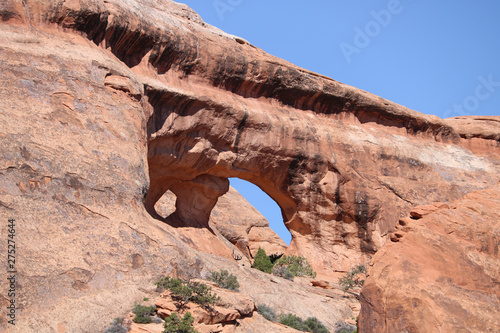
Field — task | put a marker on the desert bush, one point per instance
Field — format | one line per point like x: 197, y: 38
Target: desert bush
x: 225, y: 280
x: 343, y: 327
x: 184, y: 292
x: 311, y: 324
x: 284, y: 272
x: 293, y: 321
x: 142, y: 320
x: 143, y: 310
x: 354, y: 278
x: 175, y: 324
x: 262, y: 261
x: 315, y: 326
x: 116, y: 326
x: 202, y: 294
x: 180, y: 290
x: 143, y: 313
x: 298, y: 266
x: 267, y: 312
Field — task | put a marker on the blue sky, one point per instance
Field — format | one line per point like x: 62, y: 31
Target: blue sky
x: 436, y: 57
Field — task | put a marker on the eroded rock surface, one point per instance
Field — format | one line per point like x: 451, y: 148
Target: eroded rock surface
x: 216, y: 107
x: 106, y: 105
x: 442, y: 274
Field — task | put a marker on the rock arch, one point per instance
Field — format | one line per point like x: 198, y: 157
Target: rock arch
x: 341, y: 184
x: 194, y: 146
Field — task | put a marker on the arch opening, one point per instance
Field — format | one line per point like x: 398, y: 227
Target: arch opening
x: 244, y: 217
x: 265, y: 205
x: 166, y: 204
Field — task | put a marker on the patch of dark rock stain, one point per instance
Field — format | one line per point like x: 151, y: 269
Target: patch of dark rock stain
x: 297, y: 164
x: 59, y: 197
x: 129, y: 46
x: 190, y: 271
x: 411, y: 161
x: 80, y: 285
x: 338, y: 199
x: 73, y: 182
x: 241, y: 126
x: 137, y: 261
x: 187, y: 240
x: 92, y: 23
x: 355, y: 163
x: 144, y: 192
x: 175, y: 51
x: 361, y: 209
x: 290, y: 86
x: 231, y: 73
x: 9, y: 13
x: 298, y: 136
x: 363, y: 217
x: 27, y: 168
x: 317, y: 163
x: 25, y: 153
x: 80, y: 278
x: 385, y: 172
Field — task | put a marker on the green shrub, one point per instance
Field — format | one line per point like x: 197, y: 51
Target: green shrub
x: 225, y: 280
x: 284, y: 272
x: 315, y: 326
x: 143, y: 310
x: 293, y: 321
x: 184, y: 292
x: 142, y: 319
x: 202, y: 294
x: 311, y: 324
x: 180, y: 290
x: 354, y: 278
x: 143, y: 313
x: 343, y: 327
x: 298, y: 266
x: 116, y: 326
x: 174, y: 324
x: 262, y: 262
x: 267, y: 312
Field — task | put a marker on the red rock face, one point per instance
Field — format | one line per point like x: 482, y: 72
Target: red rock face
x: 442, y: 273
x: 343, y: 165
x: 108, y: 105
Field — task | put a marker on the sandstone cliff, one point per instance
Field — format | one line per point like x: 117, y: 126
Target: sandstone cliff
x: 441, y: 273
x: 107, y: 105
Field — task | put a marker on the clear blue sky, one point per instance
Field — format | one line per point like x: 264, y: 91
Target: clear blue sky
x: 437, y: 57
